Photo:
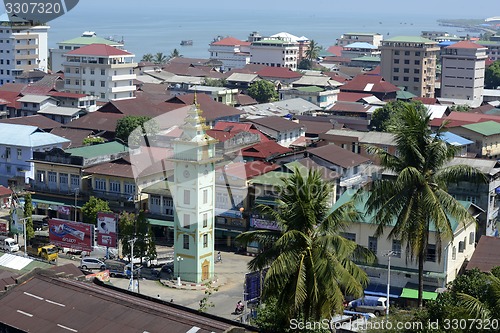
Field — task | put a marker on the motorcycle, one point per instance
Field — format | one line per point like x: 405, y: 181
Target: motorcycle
x: 239, y: 309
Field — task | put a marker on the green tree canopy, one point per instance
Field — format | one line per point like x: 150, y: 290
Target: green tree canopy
x: 175, y: 54
x: 28, y: 213
x: 312, y: 52
x: 492, y: 75
x: 310, y: 262
x: 263, y: 91
x: 148, y: 57
x: 131, y: 128
x: 92, y: 207
x: 132, y: 225
x: 416, y: 198
x: 390, y: 113
x: 160, y: 58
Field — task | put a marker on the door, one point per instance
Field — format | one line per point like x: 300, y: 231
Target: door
x: 205, y: 270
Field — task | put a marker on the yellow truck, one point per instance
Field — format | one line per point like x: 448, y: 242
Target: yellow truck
x: 45, y: 251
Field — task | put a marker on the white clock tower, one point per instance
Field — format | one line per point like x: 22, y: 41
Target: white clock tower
x: 193, y: 192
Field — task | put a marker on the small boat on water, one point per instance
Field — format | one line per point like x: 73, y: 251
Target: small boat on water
x: 187, y: 42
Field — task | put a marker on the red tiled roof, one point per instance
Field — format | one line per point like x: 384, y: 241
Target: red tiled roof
x: 485, y: 256
x: 369, y: 83
x: 228, y: 126
x: 247, y: 170
x: 11, y: 98
x: 141, y: 105
x: 65, y: 94
x: 426, y: 100
x: 44, y: 86
x: 244, y: 100
x: 5, y: 191
x: 463, y: 118
x: 37, y: 120
x: 337, y: 77
x: 278, y: 72
x: 98, y: 50
x: 338, y: 156
x: 117, y: 168
x: 12, y: 87
x: 483, y: 108
x: 488, y: 62
x: 375, y: 71
x: 351, y: 96
x: 465, y: 44
x: 211, y: 109
x: 335, y: 50
x: 264, y: 150
x: 230, y: 41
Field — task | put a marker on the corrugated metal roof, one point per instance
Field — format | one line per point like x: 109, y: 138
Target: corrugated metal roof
x: 484, y: 128
x: 27, y: 136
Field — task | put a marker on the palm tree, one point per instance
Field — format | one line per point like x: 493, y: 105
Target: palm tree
x: 160, y: 58
x: 310, y: 262
x: 313, y: 51
x: 488, y: 310
x: 148, y: 57
x: 416, y: 199
x: 175, y: 54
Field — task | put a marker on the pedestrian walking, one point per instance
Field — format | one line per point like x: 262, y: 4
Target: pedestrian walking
x: 219, y: 257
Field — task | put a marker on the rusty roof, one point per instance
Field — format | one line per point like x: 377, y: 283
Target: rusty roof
x: 485, y: 256
x: 46, y: 303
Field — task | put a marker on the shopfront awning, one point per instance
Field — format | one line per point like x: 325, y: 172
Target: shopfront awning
x: 413, y: 293
x: 161, y: 223
x: 376, y: 289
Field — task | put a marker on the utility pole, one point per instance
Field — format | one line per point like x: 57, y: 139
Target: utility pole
x: 131, y: 242
x: 389, y: 254
x: 76, y: 195
x: 24, y: 231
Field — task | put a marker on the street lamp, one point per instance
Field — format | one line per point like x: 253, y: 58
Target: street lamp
x: 179, y: 260
x: 389, y: 255
x: 131, y: 242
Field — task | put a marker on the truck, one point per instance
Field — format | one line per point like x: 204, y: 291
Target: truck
x: 45, y: 251
x: 8, y: 244
x: 121, y: 269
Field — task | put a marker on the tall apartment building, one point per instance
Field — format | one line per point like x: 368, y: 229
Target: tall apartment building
x: 100, y: 70
x: 23, y: 47
x: 364, y: 37
x: 87, y: 38
x: 462, y: 72
x: 275, y: 52
x: 233, y: 52
x: 410, y: 62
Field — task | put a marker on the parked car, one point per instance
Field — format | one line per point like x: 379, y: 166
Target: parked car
x: 168, y: 267
x: 374, y: 304
x: 92, y: 263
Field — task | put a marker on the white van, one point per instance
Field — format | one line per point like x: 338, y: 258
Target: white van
x: 8, y: 244
x: 374, y: 304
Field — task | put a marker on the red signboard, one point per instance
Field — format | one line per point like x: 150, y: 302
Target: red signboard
x: 3, y: 227
x: 106, y: 228
x: 75, y: 235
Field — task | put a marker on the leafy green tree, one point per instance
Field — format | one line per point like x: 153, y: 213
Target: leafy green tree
x: 148, y: 57
x: 175, y: 54
x: 131, y: 128
x: 416, y: 199
x: 159, y: 58
x: 460, y: 108
x: 92, y: 207
x: 492, y: 75
x: 385, y: 116
x: 92, y: 141
x: 214, y: 82
x: 263, y: 91
x: 28, y: 213
x: 310, y: 262
x: 136, y: 225
x: 205, y: 302
x: 312, y: 53
x: 305, y: 64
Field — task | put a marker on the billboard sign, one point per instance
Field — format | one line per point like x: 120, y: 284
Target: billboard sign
x: 106, y: 228
x: 3, y: 227
x: 75, y: 235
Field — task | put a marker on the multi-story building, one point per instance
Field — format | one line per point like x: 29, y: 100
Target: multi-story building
x: 352, y: 37
x: 462, y: 72
x: 23, y: 47
x: 493, y: 51
x: 87, y: 38
x: 302, y: 42
x: 410, y: 62
x: 100, y: 70
x: 233, y: 52
x: 275, y: 52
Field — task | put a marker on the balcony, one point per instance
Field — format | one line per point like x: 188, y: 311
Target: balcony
x: 122, y: 89
x: 52, y: 188
x: 123, y: 77
x: 115, y: 196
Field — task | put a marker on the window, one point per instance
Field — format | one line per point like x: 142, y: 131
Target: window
x: 40, y: 176
x: 100, y: 184
x: 471, y: 238
x: 103, y: 84
x: 396, y: 61
x: 7, y: 152
x: 92, y: 83
x: 205, y: 240
x: 103, y: 95
x: 103, y: 72
x: 114, y: 186
x: 186, y: 221
x: 396, y: 248
x: 77, y: 82
x: 416, y: 71
x: 205, y: 220
x: 417, y: 53
x: 395, y: 78
x: 9, y: 169
x: 454, y: 253
x: 461, y: 247
x: 349, y: 236
x: 372, y: 244
x: 416, y: 79
x: 407, y: 53
x: 407, y: 62
x: 185, y: 242
x: 52, y: 177
x: 417, y: 62
x: 396, y: 70
x: 63, y: 179
x: 187, y: 197
x: 84, y: 82
x: 19, y: 154
x: 396, y: 52
x: 129, y: 188
x: 68, y: 70
x: 77, y: 70
x: 205, y: 196
x: 92, y: 71
x: 406, y: 70
x: 431, y: 253
x: 406, y: 78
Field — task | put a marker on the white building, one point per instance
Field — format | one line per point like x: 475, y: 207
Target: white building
x: 366, y: 37
x: 275, y: 52
x: 100, y: 70
x: 233, y: 52
x: 87, y: 38
x: 17, y: 144
x: 462, y: 74
x: 23, y: 47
